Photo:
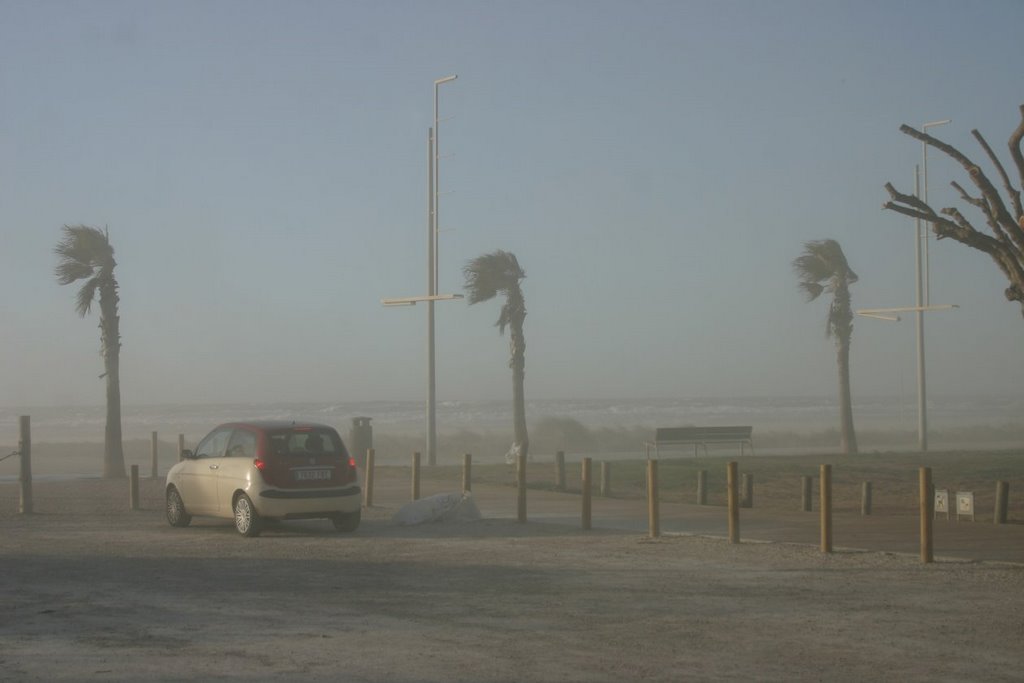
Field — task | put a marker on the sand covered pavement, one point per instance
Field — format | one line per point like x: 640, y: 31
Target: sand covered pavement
x: 91, y: 591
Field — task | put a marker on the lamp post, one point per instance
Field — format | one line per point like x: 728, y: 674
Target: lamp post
x: 924, y: 198
x: 433, y: 168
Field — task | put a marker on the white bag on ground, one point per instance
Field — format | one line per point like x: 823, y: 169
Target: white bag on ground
x: 444, y: 507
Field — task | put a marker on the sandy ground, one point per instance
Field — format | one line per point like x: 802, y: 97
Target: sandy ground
x: 91, y: 591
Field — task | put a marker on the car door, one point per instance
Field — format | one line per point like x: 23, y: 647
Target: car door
x: 199, y: 480
x: 236, y: 467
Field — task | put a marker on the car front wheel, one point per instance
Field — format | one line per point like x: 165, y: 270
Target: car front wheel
x: 347, y: 521
x: 176, y: 514
x: 247, y: 520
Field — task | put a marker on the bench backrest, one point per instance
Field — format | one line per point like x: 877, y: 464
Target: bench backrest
x: 669, y: 434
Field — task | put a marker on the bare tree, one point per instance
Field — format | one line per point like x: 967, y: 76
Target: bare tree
x: 1005, y: 218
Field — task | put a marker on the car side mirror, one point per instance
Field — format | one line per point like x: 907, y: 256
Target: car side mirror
x: 187, y: 454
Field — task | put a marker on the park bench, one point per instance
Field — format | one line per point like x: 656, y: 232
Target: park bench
x: 700, y: 436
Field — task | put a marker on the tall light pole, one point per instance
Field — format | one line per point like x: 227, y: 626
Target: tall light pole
x: 433, y: 168
x: 924, y: 198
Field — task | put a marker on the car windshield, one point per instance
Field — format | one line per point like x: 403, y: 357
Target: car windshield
x: 306, y: 441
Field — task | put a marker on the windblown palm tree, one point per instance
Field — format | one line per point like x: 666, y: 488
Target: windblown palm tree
x: 822, y: 267
x: 86, y: 254
x: 486, y: 277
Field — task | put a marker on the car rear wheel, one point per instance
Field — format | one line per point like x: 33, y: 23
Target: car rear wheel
x: 247, y: 520
x: 176, y: 514
x: 347, y: 521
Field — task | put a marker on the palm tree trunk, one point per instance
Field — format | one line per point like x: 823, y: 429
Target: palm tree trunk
x: 848, y: 439
x: 518, y: 363
x: 113, y: 448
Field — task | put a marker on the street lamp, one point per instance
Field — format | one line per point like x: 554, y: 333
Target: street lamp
x: 924, y: 197
x: 433, y: 168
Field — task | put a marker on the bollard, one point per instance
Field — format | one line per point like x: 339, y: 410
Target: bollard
x: 606, y: 479
x: 25, y: 455
x: 181, y: 447
x: 560, y: 471
x: 865, y: 499
x: 368, y: 499
x: 734, y: 501
x: 702, y: 487
x: 133, y: 489
x: 152, y: 450
x: 925, y: 494
x: 1002, y: 502
x: 805, y: 493
x: 467, y: 472
x: 416, y: 475
x: 653, y: 515
x: 825, y: 493
x: 521, y: 485
x: 747, y: 499
x: 585, y: 489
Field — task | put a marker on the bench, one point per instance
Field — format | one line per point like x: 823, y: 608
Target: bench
x: 700, y: 436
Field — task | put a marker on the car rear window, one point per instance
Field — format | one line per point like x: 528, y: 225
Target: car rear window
x: 305, y: 442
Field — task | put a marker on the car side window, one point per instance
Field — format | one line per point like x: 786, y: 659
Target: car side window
x: 214, y: 445
x: 242, y: 444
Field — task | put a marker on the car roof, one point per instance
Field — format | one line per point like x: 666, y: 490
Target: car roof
x: 272, y: 425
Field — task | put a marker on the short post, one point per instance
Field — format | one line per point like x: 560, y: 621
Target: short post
x: 865, y: 499
x: 25, y: 455
x: 467, y: 472
x: 133, y: 489
x: 368, y: 497
x: 416, y: 475
x: 805, y: 493
x: 585, y: 489
x: 653, y: 514
x: 825, y: 493
x: 152, y: 450
x: 560, y: 471
x: 732, y: 486
x: 747, y: 482
x: 925, y: 494
x: 606, y: 479
x: 181, y: 447
x: 1002, y: 502
x: 521, y: 485
x: 702, y: 487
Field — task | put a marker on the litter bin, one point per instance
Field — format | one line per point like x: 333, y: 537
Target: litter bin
x: 360, y: 438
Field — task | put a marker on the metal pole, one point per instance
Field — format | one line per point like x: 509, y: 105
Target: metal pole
x: 431, y: 291
x: 924, y: 164
x: 922, y: 403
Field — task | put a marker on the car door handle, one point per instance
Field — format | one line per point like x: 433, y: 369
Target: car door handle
x: 214, y: 467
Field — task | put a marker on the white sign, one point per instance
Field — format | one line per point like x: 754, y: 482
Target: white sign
x: 965, y: 504
x: 942, y: 501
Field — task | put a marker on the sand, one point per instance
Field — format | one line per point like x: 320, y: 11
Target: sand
x: 92, y: 591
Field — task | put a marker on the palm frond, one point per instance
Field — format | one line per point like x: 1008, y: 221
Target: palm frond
x: 490, y: 274
x: 812, y: 290
x: 86, y: 295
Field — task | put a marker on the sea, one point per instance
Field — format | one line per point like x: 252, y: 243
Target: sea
x: 799, y: 415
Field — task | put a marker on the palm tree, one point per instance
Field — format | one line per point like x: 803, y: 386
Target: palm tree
x: 486, y: 277
x: 822, y: 267
x: 86, y: 254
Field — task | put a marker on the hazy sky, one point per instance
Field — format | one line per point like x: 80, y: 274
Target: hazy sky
x: 655, y: 166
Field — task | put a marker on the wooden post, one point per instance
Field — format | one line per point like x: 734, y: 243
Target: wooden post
x: 747, y: 500
x: 825, y: 503
x: 467, y: 472
x: 606, y: 479
x: 865, y: 499
x: 25, y: 455
x: 152, y: 450
x: 927, y: 502
x: 653, y: 514
x: 560, y: 471
x: 368, y: 499
x: 416, y: 475
x: 181, y: 447
x: 1002, y: 502
x: 732, y: 485
x: 702, y: 487
x: 805, y: 493
x: 133, y: 489
x: 521, y: 484
x: 585, y: 489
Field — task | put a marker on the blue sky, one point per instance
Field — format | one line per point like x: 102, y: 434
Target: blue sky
x: 655, y: 166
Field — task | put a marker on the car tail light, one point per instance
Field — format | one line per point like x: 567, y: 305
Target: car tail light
x: 351, y: 463
x: 261, y: 465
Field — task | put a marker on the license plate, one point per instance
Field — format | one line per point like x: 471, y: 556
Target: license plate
x: 312, y: 475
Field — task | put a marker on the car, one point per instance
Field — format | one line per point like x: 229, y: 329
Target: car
x: 253, y: 472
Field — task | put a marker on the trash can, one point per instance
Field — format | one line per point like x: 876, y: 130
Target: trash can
x: 360, y: 438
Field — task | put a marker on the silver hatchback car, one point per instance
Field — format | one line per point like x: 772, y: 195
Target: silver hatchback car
x: 256, y: 471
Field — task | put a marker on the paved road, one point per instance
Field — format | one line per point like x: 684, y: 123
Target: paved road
x: 894, y: 533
